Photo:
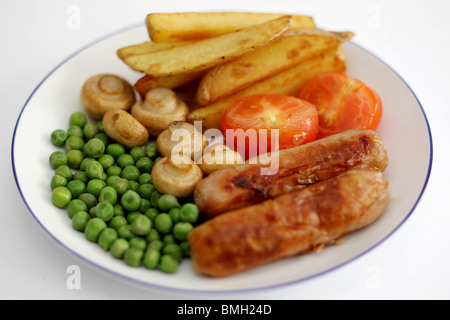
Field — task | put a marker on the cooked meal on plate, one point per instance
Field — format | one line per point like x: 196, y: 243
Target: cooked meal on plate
x: 243, y: 141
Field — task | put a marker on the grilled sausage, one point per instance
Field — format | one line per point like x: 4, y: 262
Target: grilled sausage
x: 241, y: 185
x: 289, y: 224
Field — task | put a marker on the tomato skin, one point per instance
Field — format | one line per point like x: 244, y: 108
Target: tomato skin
x: 343, y: 103
x: 296, y: 120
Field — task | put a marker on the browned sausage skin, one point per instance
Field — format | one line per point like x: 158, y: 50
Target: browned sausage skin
x: 289, y: 224
x: 242, y: 185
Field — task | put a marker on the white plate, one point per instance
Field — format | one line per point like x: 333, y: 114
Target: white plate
x: 404, y: 129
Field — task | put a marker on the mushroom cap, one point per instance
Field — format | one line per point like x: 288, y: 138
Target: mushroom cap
x: 176, y: 175
x: 182, y: 137
x: 160, y: 107
x: 103, y: 92
x: 218, y: 156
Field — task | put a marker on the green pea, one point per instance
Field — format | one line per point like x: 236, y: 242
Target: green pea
x: 189, y: 213
x: 108, y: 194
x: 174, y: 250
x: 118, y: 248
x: 58, y: 181
x: 145, y: 165
x: 174, y: 214
x: 57, y: 159
x: 111, y: 180
x: 90, y: 130
x: 145, y: 178
x: 76, y: 205
x: 84, y: 163
x: 58, y: 137
x: 169, y: 239
x: 100, y: 126
x: 134, y: 185
x: 78, y: 119
x: 167, y: 202
x: 145, y: 205
x: 61, y: 197
x: 92, y: 211
x: 89, y: 199
x: 155, y: 245
x: 94, y: 148
x: 152, y: 213
x: 132, y: 215
x: 75, y: 131
x: 141, y: 225
x: 131, y: 173
x: 118, y: 210
x: 80, y: 220
x: 138, y: 153
x: 122, y: 186
x: 125, y: 160
x: 94, y: 170
x: 152, y: 151
x: 168, y: 264
x: 95, y: 186
x: 131, y: 200
x: 82, y: 176
x: 118, y: 221
x: 133, y: 256
x: 154, y: 198
x: 184, y: 245
x: 64, y: 171
x: 138, y: 242
x: 114, y: 171
x: 107, y: 237
x: 76, y: 188
x: 145, y: 190
x: 125, y: 232
x: 107, y: 161
x: 163, y: 223
x: 153, y: 235
x: 115, y: 149
x: 104, y: 210
x: 181, y: 230
x: 74, y: 143
x: 103, y: 138
x: 74, y: 158
x: 93, y: 229
x: 151, y: 258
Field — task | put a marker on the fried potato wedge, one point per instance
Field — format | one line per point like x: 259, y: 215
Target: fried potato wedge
x: 291, y: 49
x: 147, y: 82
x: 200, y: 55
x: 186, y: 26
x: 287, y: 82
x: 144, y: 47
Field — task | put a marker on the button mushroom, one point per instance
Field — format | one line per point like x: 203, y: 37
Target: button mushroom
x: 123, y: 128
x: 182, y: 137
x: 160, y: 107
x: 176, y: 175
x: 218, y: 156
x: 104, y: 92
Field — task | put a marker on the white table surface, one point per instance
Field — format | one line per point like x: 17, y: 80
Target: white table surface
x: 412, y: 36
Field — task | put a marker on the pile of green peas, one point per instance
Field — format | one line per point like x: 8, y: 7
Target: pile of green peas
x: 108, y: 194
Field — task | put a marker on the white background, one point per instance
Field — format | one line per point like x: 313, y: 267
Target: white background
x: 412, y: 36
